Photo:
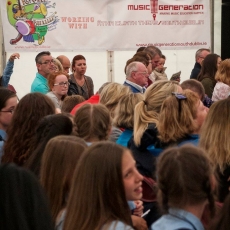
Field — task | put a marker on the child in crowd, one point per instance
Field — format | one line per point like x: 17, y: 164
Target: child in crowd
x: 23, y: 203
x: 70, y: 102
x: 59, y: 161
x: 58, y: 85
x: 186, y: 182
x: 49, y: 127
x: 104, y: 180
x: 8, y: 103
x: 214, y: 139
x: 93, y: 123
x: 29, y: 111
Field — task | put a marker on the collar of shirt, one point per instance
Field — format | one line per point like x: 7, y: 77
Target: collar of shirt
x: 41, y: 78
x: 140, y: 88
x: 187, y: 217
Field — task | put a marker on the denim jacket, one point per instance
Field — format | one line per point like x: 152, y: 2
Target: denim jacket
x: 7, y: 73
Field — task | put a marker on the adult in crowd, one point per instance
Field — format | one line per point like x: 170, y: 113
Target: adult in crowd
x: 214, y: 140
x: 65, y: 63
x: 58, y: 84
x: 93, y: 123
x: 58, y: 163
x: 8, y: 103
x: 136, y: 77
x: 80, y: 84
x: 208, y: 72
x: 222, y: 87
x: 115, y: 177
x: 197, y: 88
x: 124, y: 116
x: 7, y: 72
x: 45, y: 66
x: 29, y: 111
x: 185, y: 178
x: 199, y: 57
x: 155, y: 53
x: 57, y: 65
x: 23, y: 203
x: 49, y: 127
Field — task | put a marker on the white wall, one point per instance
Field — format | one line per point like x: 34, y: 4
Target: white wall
x: 99, y: 64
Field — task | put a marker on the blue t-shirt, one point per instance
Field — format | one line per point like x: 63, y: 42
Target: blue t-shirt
x: 177, y: 219
x: 40, y: 84
x: 2, y: 141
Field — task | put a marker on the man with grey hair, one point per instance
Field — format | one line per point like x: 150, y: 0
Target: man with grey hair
x: 200, y: 56
x: 136, y: 77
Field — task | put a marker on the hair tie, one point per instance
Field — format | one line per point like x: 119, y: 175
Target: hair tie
x: 145, y: 102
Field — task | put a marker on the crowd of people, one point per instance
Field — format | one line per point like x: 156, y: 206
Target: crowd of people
x: 151, y: 153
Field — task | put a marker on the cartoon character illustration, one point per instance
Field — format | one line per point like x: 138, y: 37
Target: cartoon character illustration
x: 30, y: 20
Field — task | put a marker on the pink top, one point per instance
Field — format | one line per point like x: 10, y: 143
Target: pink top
x: 221, y: 91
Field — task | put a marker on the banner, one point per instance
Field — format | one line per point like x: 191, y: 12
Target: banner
x: 86, y: 25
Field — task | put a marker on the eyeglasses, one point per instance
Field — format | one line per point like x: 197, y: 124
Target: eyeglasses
x: 47, y: 62
x: 179, y: 97
x: 66, y: 83
x: 8, y: 111
x: 144, y: 73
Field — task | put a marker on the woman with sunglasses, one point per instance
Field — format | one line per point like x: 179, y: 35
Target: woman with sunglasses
x: 58, y: 84
x: 8, y: 102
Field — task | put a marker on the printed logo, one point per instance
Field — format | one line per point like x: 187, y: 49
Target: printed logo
x: 32, y: 19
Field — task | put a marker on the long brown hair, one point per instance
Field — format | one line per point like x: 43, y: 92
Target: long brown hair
x: 97, y: 195
x: 184, y: 178
x: 214, y: 137
x: 58, y: 164
x: 29, y: 111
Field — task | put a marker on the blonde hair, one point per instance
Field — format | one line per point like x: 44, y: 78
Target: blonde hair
x: 147, y: 111
x: 58, y: 64
x: 124, y: 112
x: 174, y: 123
x: 214, y: 137
x: 111, y: 94
x: 223, y: 72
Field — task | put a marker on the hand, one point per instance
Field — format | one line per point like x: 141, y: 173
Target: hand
x: 138, y: 211
x: 14, y: 56
x: 139, y: 223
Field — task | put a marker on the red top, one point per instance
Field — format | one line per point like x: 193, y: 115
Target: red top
x: 92, y: 100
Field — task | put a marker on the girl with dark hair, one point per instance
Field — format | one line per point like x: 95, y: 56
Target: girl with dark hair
x: 59, y: 161
x: 29, y: 111
x: 49, y: 127
x: 8, y: 103
x: 105, y: 178
x: 93, y: 123
x: 186, y: 182
x: 208, y: 71
x: 22, y: 202
x: 79, y: 83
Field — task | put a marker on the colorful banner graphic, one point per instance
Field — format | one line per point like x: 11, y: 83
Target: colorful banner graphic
x: 70, y: 25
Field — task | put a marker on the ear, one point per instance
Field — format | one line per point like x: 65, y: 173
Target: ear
x: 133, y: 75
